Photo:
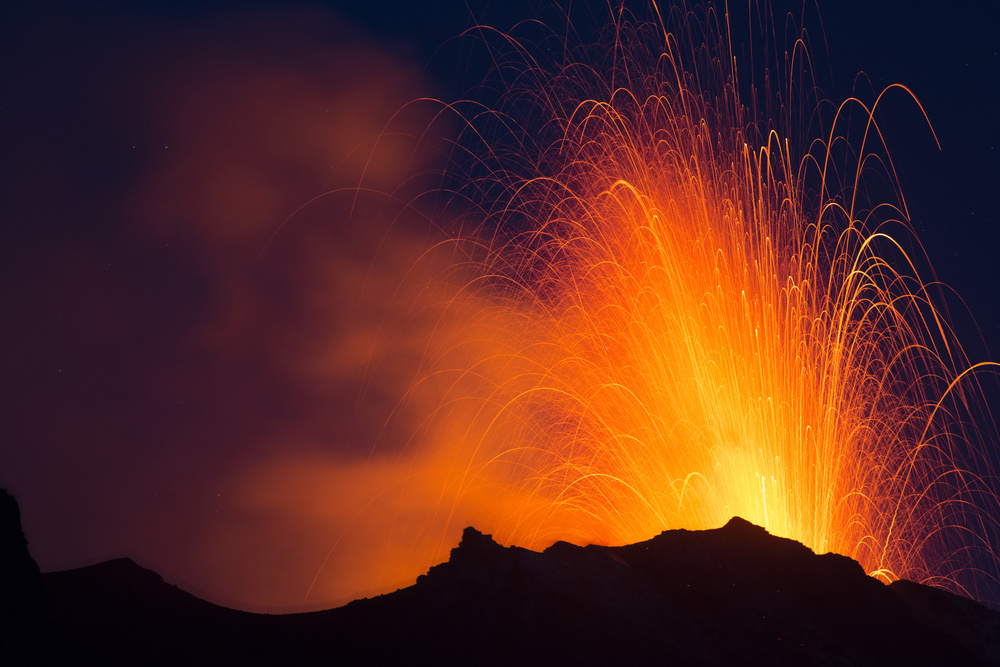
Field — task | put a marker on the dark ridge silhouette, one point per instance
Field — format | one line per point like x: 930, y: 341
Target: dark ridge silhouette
x: 733, y: 595
x: 22, y: 608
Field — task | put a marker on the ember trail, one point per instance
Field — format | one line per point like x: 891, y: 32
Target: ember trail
x: 686, y: 311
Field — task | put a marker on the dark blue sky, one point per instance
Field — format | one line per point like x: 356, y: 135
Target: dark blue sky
x: 949, y: 58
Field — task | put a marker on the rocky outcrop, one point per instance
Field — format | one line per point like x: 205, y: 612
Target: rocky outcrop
x: 22, y: 608
x: 733, y: 595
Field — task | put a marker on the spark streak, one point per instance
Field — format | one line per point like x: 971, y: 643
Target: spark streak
x: 676, y: 320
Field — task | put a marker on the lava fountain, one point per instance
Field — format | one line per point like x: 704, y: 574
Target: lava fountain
x: 675, y: 310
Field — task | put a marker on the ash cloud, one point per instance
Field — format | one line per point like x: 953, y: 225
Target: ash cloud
x: 218, y: 330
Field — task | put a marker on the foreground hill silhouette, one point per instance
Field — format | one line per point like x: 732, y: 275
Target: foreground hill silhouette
x: 22, y: 606
x: 731, y: 595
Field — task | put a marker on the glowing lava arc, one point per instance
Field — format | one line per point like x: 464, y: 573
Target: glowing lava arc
x: 681, y: 321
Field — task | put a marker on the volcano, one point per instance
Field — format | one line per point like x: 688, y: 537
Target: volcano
x: 735, y: 594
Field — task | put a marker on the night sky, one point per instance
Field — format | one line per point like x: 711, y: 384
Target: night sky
x: 183, y: 359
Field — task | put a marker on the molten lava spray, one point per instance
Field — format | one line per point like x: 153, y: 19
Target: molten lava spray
x: 675, y: 311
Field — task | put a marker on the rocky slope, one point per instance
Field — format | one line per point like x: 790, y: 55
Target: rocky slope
x: 731, y: 595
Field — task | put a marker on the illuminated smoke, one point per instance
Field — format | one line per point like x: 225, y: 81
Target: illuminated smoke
x: 650, y: 313
x: 679, y: 314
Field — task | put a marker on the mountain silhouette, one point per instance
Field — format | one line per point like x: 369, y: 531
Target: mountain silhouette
x: 22, y: 605
x: 735, y: 594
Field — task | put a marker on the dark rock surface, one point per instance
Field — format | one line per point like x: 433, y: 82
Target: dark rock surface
x: 731, y: 595
x: 725, y: 596
x: 22, y: 609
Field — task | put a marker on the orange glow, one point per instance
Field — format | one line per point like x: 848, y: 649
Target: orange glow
x: 685, y: 322
x: 672, y: 312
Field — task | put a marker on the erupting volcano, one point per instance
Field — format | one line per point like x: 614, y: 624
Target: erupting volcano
x: 681, y: 311
x: 296, y: 292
